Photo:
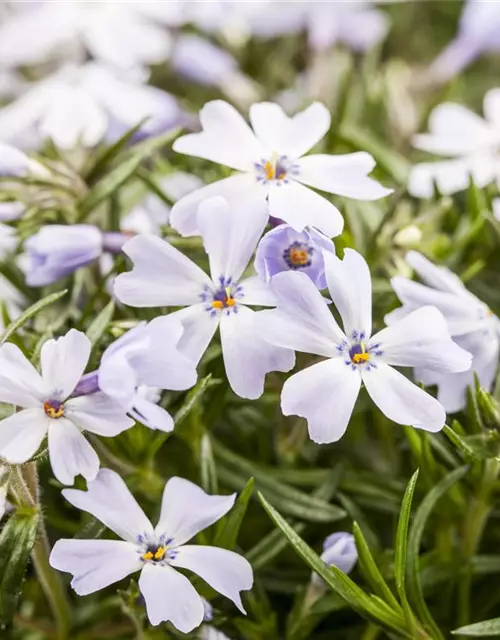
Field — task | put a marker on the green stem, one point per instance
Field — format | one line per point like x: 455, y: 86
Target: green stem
x: 475, y: 522
x: 27, y: 492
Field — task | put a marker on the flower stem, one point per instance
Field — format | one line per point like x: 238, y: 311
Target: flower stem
x: 27, y: 492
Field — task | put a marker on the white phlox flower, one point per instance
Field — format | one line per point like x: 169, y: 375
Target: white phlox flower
x: 272, y: 166
x: 84, y: 105
x: 472, y: 325
x: 470, y: 144
x: 325, y: 393
x: 128, y: 35
x: 157, y: 552
x: 163, y: 276
x: 49, y: 409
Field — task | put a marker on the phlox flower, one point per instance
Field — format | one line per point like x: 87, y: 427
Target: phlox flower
x: 127, y: 35
x: 468, y: 142
x: 156, y: 552
x: 142, y: 361
x: 339, y: 550
x: 49, y: 409
x: 84, y: 105
x: 272, y: 168
x: 470, y: 322
x: 284, y: 249
x: 325, y: 393
x: 8, y: 241
x: 163, y: 276
x: 478, y: 34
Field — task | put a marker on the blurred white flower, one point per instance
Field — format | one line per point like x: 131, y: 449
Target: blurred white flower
x: 156, y: 552
x: 8, y: 240
x: 470, y: 322
x: 471, y: 144
x: 478, y: 33
x: 84, y: 105
x: 128, y: 35
x: 152, y: 213
x: 273, y: 166
x: 339, y: 550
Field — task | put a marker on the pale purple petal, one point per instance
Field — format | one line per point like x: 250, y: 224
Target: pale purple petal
x: 324, y: 394
x: 401, y: 400
x: 186, y: 510
x: 162, y: 275
x: 170, y: 597
x: 225, y: 571
x: 21, y: 435
x: 256, y: 292
x: 63, y: 362
x: 70, y: 453
x: 247, y: 356
x: 110, y: 501
x: 95, y: 564
x: 199, y: 329
x: 98, y: 413
x: 20, y: 382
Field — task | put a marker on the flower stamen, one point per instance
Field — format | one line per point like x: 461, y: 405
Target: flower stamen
x: 359, y: 354
x: 53, y: 409
x: 155, y: 554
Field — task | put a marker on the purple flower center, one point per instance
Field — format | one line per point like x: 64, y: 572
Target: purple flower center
x: 358, y: 353
x: 276, y: 169
x: 53, y: 409
x: 223, y: 298
x: 298, y: 255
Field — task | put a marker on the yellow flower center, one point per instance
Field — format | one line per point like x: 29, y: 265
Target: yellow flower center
x: 155, y: 554
x: 223, y: 299
x: 53, y: 409
x: 358, y: 353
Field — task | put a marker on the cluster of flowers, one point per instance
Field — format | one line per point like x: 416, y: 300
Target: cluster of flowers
x: 441, y: 331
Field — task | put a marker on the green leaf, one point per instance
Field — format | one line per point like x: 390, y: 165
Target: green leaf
x: 194, y: 397
x: 30, y: 313
x: 108, y: 155
x: 480, y: 629
x: 291, y: 501
x: 108, y: 185
x: 401, y: 547
x: 16, y: 542
x: 414, y: 539
x: 367, y: 606
x: 99, y: 325
x: 370, y: 570
x: 229, y: 529
x: 208, y: 471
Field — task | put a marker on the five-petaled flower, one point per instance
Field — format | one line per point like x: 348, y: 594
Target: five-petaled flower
x: 49, y: 409
x: 163, y: 276
x: 472, y: 325
x: 272, y: 167
x: 325, y: 393
x: 155, y: 552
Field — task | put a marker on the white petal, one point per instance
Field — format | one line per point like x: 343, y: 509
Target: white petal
x: 439, y: 277
x: 350, y: 286
x: 110, y: 501
x: 310, y: 325
x: 199, y: 329
x: 247, y: 356
x: 20, y: 382
x: 225, y: 571
x: 170, y: 597
x: 364, y: 29
x: 454, y: 130
x: 450, y: 176
x: 162, y: 275
x: 401, y: 400
x: 184, y: 214
x: 186, y: 510
x: 70, y: 453
x: 151, y: 415
x: 345, y: 175
x: 162, y: 364
x: 98, y: 413
x: 290, y: 136
x: 301, y: 207
x: 324, y: 394
x: 257, y: 292
x: 422, y: 339
x: 95, y: 564
x: 491, y: 107
x: 230, y: 233
x: 21, y: 435
x: 460, y: 316
x: 63, y: 362
x: 226, y: 138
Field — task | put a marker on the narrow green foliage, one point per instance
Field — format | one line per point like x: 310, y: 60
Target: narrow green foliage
x: 30, y: 313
